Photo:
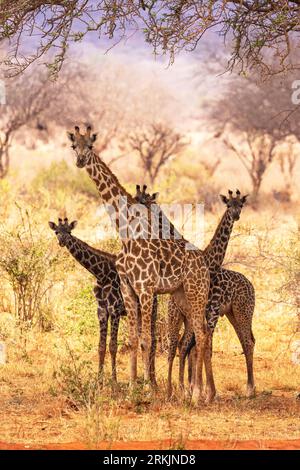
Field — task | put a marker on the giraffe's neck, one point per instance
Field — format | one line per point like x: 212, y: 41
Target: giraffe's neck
x: 163, y: 226
x: 215, y: 252
x: 110, y: 190
x: 97, y: 262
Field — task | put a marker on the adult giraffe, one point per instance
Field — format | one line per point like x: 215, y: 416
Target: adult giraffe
x: 149, y: 265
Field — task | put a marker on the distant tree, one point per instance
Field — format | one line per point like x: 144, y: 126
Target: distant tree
x: 287, y: 157
x: 155, y: 145
x: 252, y: 27
x: 253, y: 121
x: 27, y: 98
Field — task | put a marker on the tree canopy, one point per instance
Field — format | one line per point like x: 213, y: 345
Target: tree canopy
x: 255, y: 30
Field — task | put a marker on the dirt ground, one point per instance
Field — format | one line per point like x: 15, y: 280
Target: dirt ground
x: 167, y: 444
x: 31, y: 418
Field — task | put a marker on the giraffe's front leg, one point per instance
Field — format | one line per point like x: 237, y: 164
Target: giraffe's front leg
x: 212, y: 315
x: 103, y: 321
x: 113, y: 344
x: 146, y: 303
x: 131, y: 307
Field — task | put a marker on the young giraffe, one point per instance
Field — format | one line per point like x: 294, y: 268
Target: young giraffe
x: 149, y: 266
x: 231, y: 293
x: 102, y: 266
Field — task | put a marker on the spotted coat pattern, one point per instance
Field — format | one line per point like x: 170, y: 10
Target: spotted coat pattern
x: 150, y: 266
x: 110, y: 305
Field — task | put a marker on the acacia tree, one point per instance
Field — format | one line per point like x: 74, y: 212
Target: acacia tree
x: 27, y: 98
x: 287, y: 157
x: 155, y: 145
x: 251, y: 120
x: 39, y: 104
x: 252, y: 27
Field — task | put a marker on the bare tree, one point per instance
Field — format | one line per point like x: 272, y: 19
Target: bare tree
x: 252, y: 27
x: 251, y: 118
x: 155, y: 146
x: 27, y: 98
x: 287, y: 157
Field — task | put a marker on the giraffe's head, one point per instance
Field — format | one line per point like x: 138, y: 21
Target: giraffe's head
x: 142, y: 197
x: 234, y: 204
x: 82, y: 144
x: 62, y: 230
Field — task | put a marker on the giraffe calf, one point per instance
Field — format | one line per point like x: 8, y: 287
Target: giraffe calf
x: 107, y: 291
x: 233, y: 295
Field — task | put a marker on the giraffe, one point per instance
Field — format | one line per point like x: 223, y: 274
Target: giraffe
x: 149, y: 266
x: 107, y: 291
x: 231, y: 293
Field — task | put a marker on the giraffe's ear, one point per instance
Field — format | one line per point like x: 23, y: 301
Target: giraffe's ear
x: 154, y: 196
x: 244, y: 198
x: 71, y: 136
x: 73, y: 224
x: 94, y: 137
x: 224, y: 199
x: 52, y: 225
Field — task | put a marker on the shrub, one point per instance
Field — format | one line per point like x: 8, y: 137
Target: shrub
x: 30, y: 264
x: 77, y: 380
x: 59, y: 175
x: 83, y: 307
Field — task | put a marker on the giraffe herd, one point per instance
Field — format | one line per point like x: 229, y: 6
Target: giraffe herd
x: 151, y: 263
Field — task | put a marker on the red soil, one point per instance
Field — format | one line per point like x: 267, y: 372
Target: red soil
x: 167, y: 444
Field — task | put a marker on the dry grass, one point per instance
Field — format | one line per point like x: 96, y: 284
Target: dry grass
x: 31, y: 412
x: 36, y: 405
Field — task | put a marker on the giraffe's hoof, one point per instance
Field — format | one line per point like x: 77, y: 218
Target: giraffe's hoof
x: 188, y: 392
x: 115, y: 386
x: 196, y: 396
x: 209, y: 398
x: 209, y: 395
x: 251, y: 392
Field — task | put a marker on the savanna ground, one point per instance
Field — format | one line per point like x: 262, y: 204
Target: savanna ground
x: 48, y: 387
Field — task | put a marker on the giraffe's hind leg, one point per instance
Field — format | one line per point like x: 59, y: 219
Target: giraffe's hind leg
x: 153, y: 341
x: 183, y: 346
x: 241, y: 319
x: 132, y: 308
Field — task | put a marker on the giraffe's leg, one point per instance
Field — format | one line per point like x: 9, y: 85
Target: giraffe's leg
x: 146, y: 302
x: 197, y: 305
x: 183, y: 345
x: 196, y: 287
x: 131, y: 307
x: 103, y: 323
x: 113, y: 344
x: 174, y: 324
x: 192, y: 365
x: 241, y: 321
x: 153, y: 341
x: 210, y: 385
x: 212, y: 314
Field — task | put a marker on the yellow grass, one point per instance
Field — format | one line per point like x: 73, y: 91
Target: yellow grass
x: 34, y: 404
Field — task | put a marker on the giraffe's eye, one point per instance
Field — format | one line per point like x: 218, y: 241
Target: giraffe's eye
x: 73, y: 147
x: 90, y: 147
